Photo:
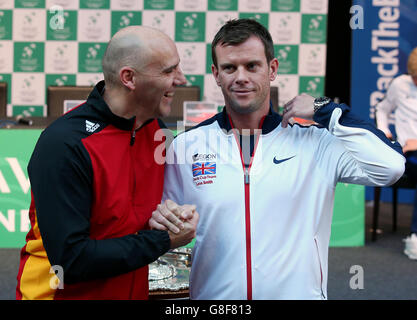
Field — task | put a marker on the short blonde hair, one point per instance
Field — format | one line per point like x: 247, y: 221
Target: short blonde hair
x: 412, y: 62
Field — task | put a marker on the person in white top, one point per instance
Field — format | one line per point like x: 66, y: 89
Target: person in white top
x: 264, y: 188
x: 401, y: 99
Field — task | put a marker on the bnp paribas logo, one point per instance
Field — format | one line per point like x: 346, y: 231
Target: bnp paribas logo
x: 5, y: 24
x: 190, y: 26
x: 28, y: 57
x: 90, y: 55
x: 314, y: 28
x: 287, y: 56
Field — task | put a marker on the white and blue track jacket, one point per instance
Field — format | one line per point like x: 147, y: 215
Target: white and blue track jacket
x: 264, y: 230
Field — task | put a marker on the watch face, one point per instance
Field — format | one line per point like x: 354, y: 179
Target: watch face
x: 320, y: 102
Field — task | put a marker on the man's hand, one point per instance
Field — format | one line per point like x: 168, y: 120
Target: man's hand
x: 301, y: 106
x: 171, y: 216
x: 410, y: 145
x: 187, y: 234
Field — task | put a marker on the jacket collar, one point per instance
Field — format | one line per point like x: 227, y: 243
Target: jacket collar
x: 95, y: 99
x: 270, y: 122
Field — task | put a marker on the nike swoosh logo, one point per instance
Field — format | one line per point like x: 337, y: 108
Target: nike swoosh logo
x: 282, y: 160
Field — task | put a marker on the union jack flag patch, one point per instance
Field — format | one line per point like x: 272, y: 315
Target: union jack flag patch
x: 202, y: 168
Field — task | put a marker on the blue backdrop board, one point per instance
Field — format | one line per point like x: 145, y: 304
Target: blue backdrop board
x: 379, y: 53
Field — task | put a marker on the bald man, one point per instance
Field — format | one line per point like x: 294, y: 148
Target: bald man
x: 95, y: 181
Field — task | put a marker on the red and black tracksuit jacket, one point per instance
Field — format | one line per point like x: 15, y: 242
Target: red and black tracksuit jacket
x: 95, y: 183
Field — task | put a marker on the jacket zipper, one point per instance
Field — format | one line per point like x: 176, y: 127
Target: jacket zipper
x: 132, y: 137
x: 246, y: 181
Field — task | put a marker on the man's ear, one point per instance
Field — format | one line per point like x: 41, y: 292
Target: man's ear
x: 273, y: 69
x: 127, y: 77
x: 215, y: 74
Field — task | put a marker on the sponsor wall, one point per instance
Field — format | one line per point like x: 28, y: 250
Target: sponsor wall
x: 379, y: 54
x: 61, y: 42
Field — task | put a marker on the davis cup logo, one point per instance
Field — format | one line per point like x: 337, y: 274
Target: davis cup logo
x: 158, y: 4
x: 90, y: 57
x: 314, y: 86
x: 61, y: 81
x: 30, y: 57
x: 314, y: 63
x: 94, y: 4
x: 193, y: 5
x: 93, y: 29
x: 192, y: 57
x: 287, y: 5
x: 288, y: 59
x: 285, y: 27
x: 126, y: 4
x: 61, y: 61
x: 314, y: 29
x: 29, y: 29
x: 5, y: 57
x: 6, y: 24
x: 223, y: 5
x: 125, y: 20
x: 62, y: 27
x: 122, y: 19
x: 161, y: 20
x: 190, y: 27
x: 190, y: 32
x: 28, y: 89
x: 250, y: 5
x: 317, y: 6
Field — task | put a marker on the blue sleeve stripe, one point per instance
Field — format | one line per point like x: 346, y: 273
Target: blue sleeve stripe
x: 349, y: 119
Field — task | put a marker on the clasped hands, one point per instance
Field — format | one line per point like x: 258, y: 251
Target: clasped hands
x: 179, y: 220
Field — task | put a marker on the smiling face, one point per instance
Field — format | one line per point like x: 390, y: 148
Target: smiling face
x: 244, y: 75
x: 156, y: 81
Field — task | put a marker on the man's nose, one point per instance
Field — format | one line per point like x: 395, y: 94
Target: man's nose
x: 180, y: 78
x: 241, y: 75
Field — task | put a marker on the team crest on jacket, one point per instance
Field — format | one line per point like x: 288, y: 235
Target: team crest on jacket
x: 204, y: 172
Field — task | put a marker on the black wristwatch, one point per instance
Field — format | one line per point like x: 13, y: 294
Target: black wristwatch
x: 321, y: 102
